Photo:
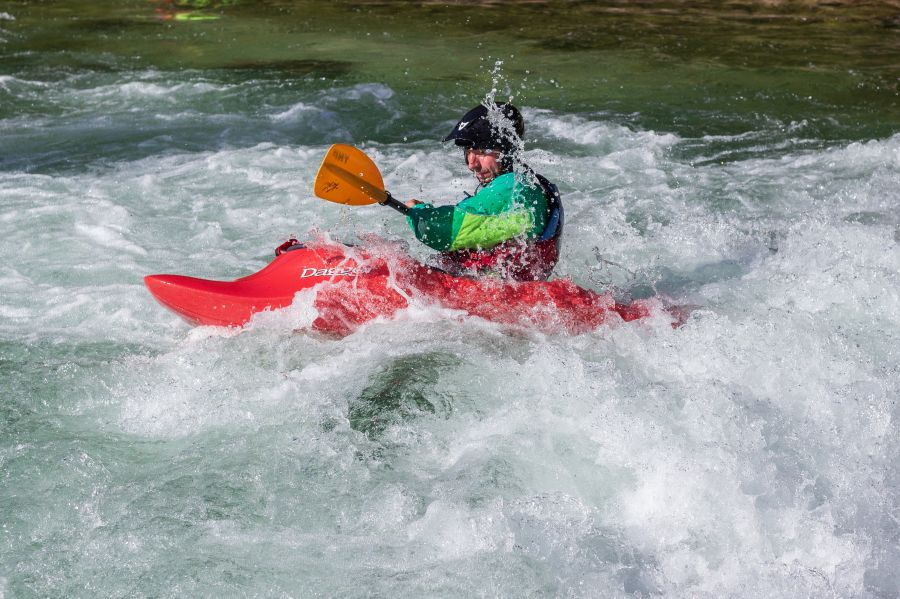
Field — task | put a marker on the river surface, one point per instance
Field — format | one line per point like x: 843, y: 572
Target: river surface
x: 740, y: 157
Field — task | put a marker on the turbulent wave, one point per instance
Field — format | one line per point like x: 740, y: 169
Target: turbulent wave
x: 91, y: 119
x: 749, y: 453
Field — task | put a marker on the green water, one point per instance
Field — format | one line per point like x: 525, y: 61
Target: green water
x: 694, y: 68
x: 742, y: 157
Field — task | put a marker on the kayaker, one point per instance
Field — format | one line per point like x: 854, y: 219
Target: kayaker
x: 512, y: 226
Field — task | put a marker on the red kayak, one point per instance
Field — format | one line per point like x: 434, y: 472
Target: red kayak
x: 354, y: 286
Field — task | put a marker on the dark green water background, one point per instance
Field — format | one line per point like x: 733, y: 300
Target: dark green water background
x: 692, y: 68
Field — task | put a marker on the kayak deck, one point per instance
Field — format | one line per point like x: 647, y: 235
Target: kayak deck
x: 353, y: 287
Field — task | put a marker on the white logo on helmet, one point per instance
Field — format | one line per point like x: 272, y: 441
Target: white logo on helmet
x: 462, y: 125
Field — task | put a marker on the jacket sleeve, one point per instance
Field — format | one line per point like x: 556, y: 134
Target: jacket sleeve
x: 462, y: 227
x: 492, y: 216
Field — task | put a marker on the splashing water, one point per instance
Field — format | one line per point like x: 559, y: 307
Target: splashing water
x: 750, y: 453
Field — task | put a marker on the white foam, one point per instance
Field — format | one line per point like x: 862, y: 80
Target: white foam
x: 295, y: 112
x: 588, y: 132
x: 108, y: 237
x: 748, y: 453
x: 449, y: 532
x: 170, y: 93
x: 9, y: 81
x: 379, y: 91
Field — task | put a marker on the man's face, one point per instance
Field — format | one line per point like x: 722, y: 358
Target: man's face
x: 483, y: 164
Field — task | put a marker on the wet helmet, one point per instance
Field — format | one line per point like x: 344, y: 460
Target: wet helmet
x: 499, y: 127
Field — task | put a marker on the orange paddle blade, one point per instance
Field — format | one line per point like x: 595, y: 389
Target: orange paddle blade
x: 348, y: 176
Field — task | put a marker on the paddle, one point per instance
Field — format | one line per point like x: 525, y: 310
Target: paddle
x: 348, y: 176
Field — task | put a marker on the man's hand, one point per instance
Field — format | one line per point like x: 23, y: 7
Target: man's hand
x: 412, y: 203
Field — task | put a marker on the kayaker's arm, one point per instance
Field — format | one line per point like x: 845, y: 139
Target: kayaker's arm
x: 497, y: 213
x: 447, y: 228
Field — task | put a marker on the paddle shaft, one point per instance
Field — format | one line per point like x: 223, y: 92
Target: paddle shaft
x: 394, y: 203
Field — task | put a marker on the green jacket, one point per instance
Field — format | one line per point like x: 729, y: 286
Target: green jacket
x: 507, y: 207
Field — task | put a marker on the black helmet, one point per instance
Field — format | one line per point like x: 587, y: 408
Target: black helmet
x: 499, y: 127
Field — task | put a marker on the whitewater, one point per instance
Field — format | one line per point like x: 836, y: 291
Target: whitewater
x: 752, y: 452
